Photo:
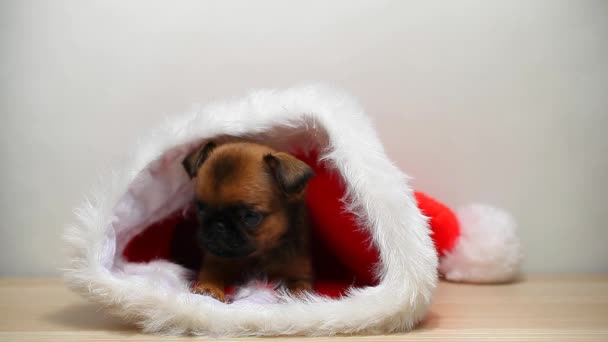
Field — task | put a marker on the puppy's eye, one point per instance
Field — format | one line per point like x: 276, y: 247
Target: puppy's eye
x: 251, y: 218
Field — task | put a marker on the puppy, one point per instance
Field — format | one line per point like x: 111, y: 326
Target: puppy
x: 249, y: 202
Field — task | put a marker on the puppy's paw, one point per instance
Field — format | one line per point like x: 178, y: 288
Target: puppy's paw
x: 210, y: 290
x: 299, y: 287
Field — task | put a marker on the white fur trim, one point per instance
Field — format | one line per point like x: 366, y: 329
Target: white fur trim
x: 488, y: 249
x: 256, y: 292
x: 151, y: 185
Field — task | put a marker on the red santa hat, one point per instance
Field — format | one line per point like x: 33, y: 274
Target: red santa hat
x: 378, y: 245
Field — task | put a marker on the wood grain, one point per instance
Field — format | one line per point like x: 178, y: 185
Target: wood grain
x: 539, y: 308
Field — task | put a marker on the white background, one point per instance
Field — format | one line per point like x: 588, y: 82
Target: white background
x: 504, y: 102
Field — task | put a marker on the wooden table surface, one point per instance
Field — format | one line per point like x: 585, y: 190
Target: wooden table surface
x: 538, y: 308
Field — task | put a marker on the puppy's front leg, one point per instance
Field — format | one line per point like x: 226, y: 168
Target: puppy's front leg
x: 215, y: 274
x: 296, y: 273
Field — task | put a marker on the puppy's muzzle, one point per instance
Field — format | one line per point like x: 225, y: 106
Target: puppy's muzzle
x: 223, y: 240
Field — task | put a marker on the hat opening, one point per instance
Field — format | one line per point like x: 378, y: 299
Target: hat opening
x: 154, y: 221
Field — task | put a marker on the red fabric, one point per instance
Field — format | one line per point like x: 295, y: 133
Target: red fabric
x: 443, y: 221
x: 343, y: 255
x: 154, y: 242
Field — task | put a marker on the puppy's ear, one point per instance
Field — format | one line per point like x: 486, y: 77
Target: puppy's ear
x: 194, y: 160
x: 290, y: 173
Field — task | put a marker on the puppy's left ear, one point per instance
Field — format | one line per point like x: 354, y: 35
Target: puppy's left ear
x: 194, y: 160
x: 290, y: 173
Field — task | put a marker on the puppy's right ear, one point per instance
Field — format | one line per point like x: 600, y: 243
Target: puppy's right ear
x: 194, y: 160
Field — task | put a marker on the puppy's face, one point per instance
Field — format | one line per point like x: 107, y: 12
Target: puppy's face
x: 242, y: 192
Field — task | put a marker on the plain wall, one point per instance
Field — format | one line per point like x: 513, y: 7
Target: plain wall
x: 504, y: 102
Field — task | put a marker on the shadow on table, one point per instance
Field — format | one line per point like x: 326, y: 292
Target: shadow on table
x: 430, y: 322
x: 89, y: 317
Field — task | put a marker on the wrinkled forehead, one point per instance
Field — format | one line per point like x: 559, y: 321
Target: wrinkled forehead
x: 231, y: 177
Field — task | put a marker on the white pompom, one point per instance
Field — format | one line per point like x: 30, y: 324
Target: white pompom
x: 488, y: 249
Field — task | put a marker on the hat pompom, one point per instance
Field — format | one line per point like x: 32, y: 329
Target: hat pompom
x: 488, y: 249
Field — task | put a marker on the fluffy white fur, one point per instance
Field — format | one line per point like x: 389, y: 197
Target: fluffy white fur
x: 488, y: 249
x: 151, y: 185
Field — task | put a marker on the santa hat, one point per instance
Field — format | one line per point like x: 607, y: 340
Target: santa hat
x: 375, y: 258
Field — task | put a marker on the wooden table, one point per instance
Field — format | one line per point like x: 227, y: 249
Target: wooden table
x: 545, y: 308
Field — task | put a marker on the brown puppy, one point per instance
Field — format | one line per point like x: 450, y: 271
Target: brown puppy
x: 249, y: 201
